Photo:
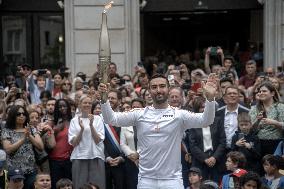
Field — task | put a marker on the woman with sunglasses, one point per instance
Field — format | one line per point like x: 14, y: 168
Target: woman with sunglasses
x: 65, y: 89
x: 18, y: 140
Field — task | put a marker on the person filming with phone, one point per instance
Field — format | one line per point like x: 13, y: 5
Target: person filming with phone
x: 246, y: 141
x: 268, y: 117
x: 40, y: 81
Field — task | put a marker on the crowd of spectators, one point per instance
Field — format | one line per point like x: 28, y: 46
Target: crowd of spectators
x: 53, y: 134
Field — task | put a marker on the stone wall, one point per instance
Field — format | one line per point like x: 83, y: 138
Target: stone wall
x: 273, y: 32
x: 82, y: 30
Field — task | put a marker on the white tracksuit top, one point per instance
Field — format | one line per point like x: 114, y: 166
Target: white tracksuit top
x: 159, y: 134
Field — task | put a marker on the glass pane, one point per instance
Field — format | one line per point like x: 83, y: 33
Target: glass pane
x: 51, y: 42
x: 14, y: 40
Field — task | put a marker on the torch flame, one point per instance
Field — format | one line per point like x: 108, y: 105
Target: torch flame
x: 108, y: 6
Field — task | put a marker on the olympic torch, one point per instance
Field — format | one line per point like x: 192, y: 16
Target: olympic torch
x: 104, y: 48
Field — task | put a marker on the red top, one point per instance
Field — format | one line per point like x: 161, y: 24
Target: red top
x: 62, y: 149
x: 55, y: 91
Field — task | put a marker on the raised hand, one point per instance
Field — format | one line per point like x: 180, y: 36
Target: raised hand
x: 103, y: 89
x: 210, y: 87
x: 91, y: 118
x: 81, y: 123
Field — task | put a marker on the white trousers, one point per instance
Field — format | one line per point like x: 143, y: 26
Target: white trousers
x: 148, y: 183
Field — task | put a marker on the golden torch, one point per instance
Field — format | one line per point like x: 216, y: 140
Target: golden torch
x: 104, y: 47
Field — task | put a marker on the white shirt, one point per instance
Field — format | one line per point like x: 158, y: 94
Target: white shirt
x: 87, y: 148
x: 127, y: 143
x: 159, y: 133
x: 230, y: 125
x: 207, y: 140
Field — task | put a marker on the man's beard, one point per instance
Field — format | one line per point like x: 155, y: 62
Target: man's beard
x: 160, y: 100
x: 50, y: 113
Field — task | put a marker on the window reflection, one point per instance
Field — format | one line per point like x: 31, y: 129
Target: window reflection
x: 51, y: 42
x: 14, y: 39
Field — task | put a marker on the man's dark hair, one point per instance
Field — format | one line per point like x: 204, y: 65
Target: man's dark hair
x: 112, y: 63
x: 118, y: 93
x: 250, y: 176
x: 139, y: 100
x: 51, y: 98
x: 45, y: 94
x: 232, y: 87
x: 159, y: 76
x: 273, y: 160
x: 229, y: 57
x: 226, y: 79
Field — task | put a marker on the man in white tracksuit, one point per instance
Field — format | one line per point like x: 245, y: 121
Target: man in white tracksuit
x: 160, y: 129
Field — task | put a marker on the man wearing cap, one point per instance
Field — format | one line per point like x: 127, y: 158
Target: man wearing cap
x: 3, y: 172
x: 16, y: 179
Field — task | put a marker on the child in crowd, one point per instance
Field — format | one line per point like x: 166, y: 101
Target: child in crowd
x: 271, y: 165
x: 250, y: 180
x: 42, y: 181
x: 194, y: 177
x: 235, y: 163
x: 64, y: 184
x: 38, y: 82
x: 246, y: 141
x: 16, y: 179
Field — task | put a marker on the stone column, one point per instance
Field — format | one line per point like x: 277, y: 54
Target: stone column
x: 273, y: 32
x: 82, y: 29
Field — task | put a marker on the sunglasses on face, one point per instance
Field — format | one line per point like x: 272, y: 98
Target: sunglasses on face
x: 21, y: 113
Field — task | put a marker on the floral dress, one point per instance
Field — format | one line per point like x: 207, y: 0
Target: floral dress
x: 24, y: 157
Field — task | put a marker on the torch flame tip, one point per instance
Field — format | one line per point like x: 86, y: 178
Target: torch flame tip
x: 108, y: 6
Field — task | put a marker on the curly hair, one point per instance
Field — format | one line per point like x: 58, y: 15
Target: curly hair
x: 57, y: 113
x: 250, y: 176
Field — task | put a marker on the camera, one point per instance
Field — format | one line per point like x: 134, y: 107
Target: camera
x: 121, y: 81
x: 41, y: 71
x: 19, y: 91
x: 213, y: 51
x: 171, y: 79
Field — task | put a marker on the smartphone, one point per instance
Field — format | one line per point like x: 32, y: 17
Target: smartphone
x: 241, y: 135
x: 195, y: 86
x: 19, y: 91
x: 140, y: 64
x: 41, y: 71
x: 171, y: 79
